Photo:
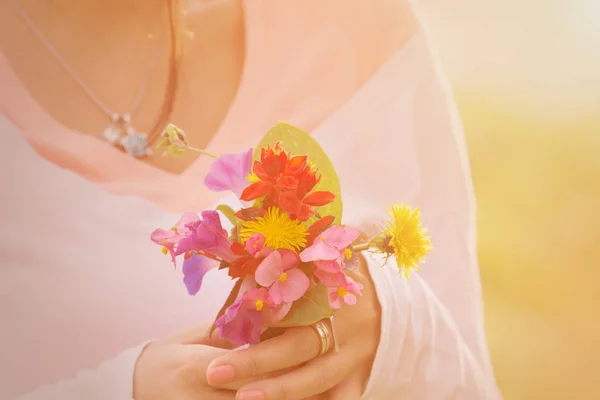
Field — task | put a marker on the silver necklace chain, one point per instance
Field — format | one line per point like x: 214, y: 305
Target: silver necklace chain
x: 120, y: 132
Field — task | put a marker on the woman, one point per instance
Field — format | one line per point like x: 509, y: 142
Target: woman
x: 83, y: 283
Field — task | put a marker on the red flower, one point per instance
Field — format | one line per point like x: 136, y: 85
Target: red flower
x: 286, y: 182
x: 251, y: 255
x: 250, y: 214
x: 298, y: 200
x: 275, y: 170
x: 243, y: 266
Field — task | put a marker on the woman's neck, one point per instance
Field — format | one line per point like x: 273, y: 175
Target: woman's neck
x: 91, y: 18
x: 103, y: 9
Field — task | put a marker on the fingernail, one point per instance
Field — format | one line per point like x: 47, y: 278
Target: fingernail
x: 251, y: 395
x: 220, y: 375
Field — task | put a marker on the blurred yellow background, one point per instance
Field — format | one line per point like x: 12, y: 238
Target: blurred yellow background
x: 526, y: 75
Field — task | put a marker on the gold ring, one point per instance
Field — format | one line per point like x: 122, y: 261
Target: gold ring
x: 323, y: 333
x: 326, y: 335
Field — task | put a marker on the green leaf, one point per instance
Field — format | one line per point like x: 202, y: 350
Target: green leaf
x: 298, y: 142
x: 228, y: 213
x: 230, y: 300
x: 310, y: 309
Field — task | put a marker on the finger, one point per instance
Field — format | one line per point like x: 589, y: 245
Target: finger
x: 349, y: 389
x: 321, y: 396
x: 316, y: 377
x: 270, y: 333
x: 191, y: 335
x: 218, y: 395
x: 201, y: 335
x: 200, y: 348
x: 214, y: 339
x: 194, y: 360
x: 293, y: 348
x: 200, y: 356
x: 212, y: 395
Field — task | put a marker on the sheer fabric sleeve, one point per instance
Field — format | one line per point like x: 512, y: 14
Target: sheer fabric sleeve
x: 399, y: 139
x: 111, y: 380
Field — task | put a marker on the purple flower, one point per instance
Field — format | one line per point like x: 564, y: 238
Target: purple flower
x: 229, y: 172
x: 194, y: 268
x: 209, y: 236
x: 241, y: 324
x: 169, y: 239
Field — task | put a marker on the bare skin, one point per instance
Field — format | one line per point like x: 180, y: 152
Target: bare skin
x: 113, y: 61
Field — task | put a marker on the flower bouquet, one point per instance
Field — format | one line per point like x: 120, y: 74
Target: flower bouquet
x: 287, y: 250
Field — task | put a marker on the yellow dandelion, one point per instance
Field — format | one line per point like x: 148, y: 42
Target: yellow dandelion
x: 404, y: 238
x: 279, y: 230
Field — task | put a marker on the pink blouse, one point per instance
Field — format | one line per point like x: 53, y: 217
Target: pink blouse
x: 80, y: 282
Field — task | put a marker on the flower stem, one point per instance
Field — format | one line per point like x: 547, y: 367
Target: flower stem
x: 206, y: 153
x: 361, y: 247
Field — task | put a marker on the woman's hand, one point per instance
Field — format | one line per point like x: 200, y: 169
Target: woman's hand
x: 342, y: 375
x: 175, y: 368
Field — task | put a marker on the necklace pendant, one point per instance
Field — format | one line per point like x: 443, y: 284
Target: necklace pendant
x: 136, y: 143
x: 112, y: 134
x: 121, y: 133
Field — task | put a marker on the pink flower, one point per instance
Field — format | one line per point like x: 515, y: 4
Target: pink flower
x: 194, y: 268
x: 345, y: 293
x: 330, y: 245
x: 260, y: 299
x: 169, y: 239
x: 256, y: 298
x: 208, y: 236
x: 255, y: 246
x: 328, y: 252
x: 244, y: 320
x: 330, y: 272
x: 278, y: 272
x: 278, y: 312
x: 241, y: 324
x: 249, y: 257
x: 230, y: 172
